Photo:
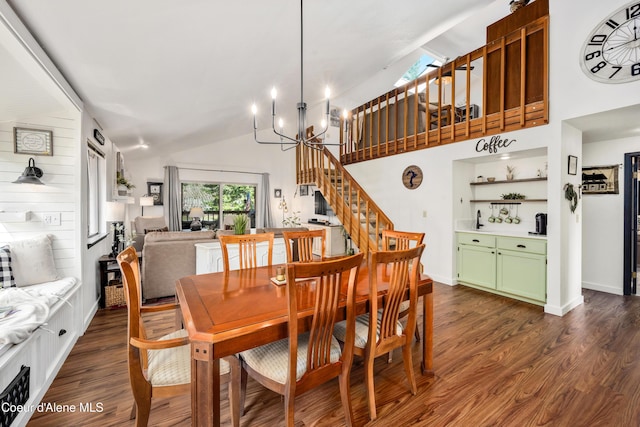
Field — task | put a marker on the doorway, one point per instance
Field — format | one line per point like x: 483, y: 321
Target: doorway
x: 631, y: 220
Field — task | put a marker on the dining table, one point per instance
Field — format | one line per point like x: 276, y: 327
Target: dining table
x: 228, y: 312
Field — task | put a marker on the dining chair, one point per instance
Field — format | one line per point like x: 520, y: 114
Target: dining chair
x: 299, y: 244
x: 247, y: 249
x: 381, y: 331
x: 162, y: 367
x: 305, y: 360
x: 399, y: 240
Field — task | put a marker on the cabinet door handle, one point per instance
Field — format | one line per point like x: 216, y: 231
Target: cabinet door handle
x: 521, y: 246
x: 476, y: 240
x: 499, y: 253
x: 492, y: 252
x: 62, y: 332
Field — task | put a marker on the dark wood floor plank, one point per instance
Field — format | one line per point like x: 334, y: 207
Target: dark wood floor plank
x: 498, y: 362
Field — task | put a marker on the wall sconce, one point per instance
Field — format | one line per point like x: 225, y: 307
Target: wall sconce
x: 196, y: 214
x: 31, y: 174
x: 146, y: 200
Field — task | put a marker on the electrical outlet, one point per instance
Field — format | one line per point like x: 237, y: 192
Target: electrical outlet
x: 51, y: 218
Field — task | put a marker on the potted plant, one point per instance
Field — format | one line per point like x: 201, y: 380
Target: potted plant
x: 124, y: 186
x: 240, y: 224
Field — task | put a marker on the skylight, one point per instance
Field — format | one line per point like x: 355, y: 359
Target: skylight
x: 419, y: 68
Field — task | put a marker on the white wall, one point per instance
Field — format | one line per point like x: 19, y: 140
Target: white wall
x: 239, y: 154
x: 603, y: 220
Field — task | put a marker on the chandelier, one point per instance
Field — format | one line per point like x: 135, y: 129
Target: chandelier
x: 309, y: 140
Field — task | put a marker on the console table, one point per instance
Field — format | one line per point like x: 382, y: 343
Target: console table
x: 209, y: 255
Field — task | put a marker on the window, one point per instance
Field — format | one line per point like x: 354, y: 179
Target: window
x: 95, y: 176
x: 218, y: 201
x: 420, y: 67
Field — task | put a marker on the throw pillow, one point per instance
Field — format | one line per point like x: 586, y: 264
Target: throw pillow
x: 6, y: 273
x: 155, y: 229
x: 32, y: 261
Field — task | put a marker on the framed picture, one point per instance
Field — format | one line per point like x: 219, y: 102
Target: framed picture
x: 154, y: 189
x: 600, y: 180
x: 334, y: 117
x: 573, y: 165
x: 33, y: 142
x: 304, y: 190
x: 277, y: 193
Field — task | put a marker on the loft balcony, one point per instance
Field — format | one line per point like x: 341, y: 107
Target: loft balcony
x: 499, y: 87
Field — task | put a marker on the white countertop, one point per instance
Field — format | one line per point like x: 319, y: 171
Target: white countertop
x: 507, y: 233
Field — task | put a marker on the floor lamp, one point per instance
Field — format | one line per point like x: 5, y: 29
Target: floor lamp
x: 145, y: 201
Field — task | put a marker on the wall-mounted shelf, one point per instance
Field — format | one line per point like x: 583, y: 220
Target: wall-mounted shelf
x: 22, y: 216
x: 510, y: 181
x: 506, y: 202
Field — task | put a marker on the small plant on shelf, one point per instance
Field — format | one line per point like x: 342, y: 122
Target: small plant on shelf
x: 510, y: 172
x: 513, y: 196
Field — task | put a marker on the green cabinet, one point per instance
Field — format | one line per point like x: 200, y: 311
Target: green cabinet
x: 512, y: 266
x: 477, y: 260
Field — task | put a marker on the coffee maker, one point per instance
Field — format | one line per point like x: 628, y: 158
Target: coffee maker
x: 541, y: 224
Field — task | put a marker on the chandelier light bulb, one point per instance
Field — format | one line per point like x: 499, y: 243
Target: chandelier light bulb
x: 254, y: 109
x: 323, y: 123
x: 327, y: 92
x: 345, y: 114
x: 281, y: 124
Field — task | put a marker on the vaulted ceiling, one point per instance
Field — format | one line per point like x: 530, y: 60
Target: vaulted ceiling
x: 166, y: 72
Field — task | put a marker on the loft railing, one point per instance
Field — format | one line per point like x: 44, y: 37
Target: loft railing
x: 510, y: 94
x: 360, y: 216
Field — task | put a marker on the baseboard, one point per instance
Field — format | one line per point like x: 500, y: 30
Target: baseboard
x: 562, y: 310
x: 602, y: 288
x: 87, y: 320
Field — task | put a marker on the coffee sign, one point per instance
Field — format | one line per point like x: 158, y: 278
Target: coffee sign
x: 493, y: 144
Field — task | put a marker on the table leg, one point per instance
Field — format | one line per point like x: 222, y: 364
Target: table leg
x: 427, y: 333
x: 205, y: 386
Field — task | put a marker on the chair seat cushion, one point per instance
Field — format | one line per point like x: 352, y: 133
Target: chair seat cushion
x: 272, y: 360
x: 172, y: 366
x: 362, y: 329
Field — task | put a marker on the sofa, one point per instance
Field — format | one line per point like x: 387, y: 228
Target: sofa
x: 166, y: 257
x: 142, y: 224
x: 169, y: 256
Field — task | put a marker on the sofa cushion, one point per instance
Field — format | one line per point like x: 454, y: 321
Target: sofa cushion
x: 6, y: 273
x: 143, y: 223
x: 165, y: 236
x: 149, y: 230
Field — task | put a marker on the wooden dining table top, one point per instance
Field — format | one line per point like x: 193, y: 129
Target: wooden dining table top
x: 241, y: 309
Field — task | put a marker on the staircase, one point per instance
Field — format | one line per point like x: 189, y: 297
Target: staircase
x: 362, y: 219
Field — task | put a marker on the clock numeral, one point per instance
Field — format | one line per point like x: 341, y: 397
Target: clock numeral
x: 599, y: 66
x: 594, y: 54
x: 635, y: 69
x: 633, y: 11
x: 613, y: 24
x: 618, y: 68
x: 597, y: 40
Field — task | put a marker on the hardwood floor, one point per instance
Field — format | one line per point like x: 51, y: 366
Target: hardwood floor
x: 498, y: 362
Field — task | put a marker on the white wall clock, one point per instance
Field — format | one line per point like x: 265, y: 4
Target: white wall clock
x: 611, y: 52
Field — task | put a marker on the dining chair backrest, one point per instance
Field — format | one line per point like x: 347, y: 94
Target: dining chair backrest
x: 398, y: 240
x: 399, y: 268
x: 247, y: 249
x: 299, y: 244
